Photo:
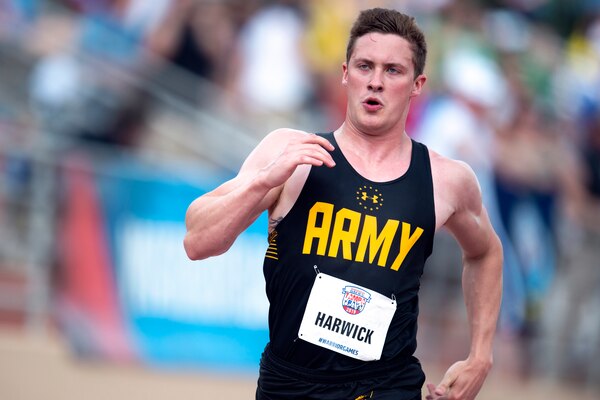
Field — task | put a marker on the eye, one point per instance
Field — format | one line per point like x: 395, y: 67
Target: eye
x: 393, y: 70
x: 363, y: 67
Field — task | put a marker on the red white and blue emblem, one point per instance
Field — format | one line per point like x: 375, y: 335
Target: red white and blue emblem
x: 355, y: 299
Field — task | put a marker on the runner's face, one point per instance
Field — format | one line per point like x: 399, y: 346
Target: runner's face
x: 380, y: 82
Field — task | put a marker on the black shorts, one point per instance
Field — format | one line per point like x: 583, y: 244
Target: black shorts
x: 372, y: 395
x: 279, y: 380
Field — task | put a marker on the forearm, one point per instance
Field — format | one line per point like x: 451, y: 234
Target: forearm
x: 215, y: 220
x: 482, y: 287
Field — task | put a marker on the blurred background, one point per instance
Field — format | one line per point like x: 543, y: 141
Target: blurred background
x: 116, y: 114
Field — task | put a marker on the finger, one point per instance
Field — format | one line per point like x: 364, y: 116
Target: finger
x: 311, y: 147
x: 315, y: 159
x: 432, y: 395
x: 311, y: 150
x: 320, y: 140
x: 441, y: 389
x: 444, y: 385
x: 308, y: 160
x: 431, y: 388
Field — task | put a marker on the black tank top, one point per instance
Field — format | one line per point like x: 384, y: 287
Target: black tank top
x: 374, y: 234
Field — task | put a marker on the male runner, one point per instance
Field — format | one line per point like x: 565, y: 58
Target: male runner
x: 352, y: 215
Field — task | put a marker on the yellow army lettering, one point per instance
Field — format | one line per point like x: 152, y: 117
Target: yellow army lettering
x: 371, y: 240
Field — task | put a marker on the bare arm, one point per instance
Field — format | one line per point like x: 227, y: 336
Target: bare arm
x: 216, y: 219
x: 482, y: 287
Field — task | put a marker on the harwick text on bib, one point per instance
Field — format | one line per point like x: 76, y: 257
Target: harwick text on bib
x: 346, y: 318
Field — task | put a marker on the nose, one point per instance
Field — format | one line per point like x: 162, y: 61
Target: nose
x: 376, y: 83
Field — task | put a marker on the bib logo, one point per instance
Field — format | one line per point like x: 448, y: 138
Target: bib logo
x: 368, y: 198
x: 355, y: 299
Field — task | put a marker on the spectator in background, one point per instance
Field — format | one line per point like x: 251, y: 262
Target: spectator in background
x: 531, y: 167
x: 591, y: 156
x: 77, y: 87
x: 328, y: 24
x: 271, y: 76
x: 571, y: 321
x: 195, y: 37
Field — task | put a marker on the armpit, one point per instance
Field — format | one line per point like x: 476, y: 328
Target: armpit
x: 273, y: 222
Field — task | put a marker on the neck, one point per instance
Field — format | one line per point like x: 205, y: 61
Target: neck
x: 376, y: 157
x: 378, y: 146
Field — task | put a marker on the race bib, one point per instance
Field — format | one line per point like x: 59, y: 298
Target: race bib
x: 346, y: 318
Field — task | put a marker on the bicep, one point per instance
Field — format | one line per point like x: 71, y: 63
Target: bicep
x: 473, y: 231
x: 470, y: 223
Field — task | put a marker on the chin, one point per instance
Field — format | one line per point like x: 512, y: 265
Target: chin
x: 371, y: 127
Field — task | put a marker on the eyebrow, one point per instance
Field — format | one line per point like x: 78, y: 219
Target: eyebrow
x: 387, y: 65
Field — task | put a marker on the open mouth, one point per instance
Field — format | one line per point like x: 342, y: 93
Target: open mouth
x: 372, y: 103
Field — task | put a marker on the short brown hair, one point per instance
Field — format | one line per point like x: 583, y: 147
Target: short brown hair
x: 384, y: 20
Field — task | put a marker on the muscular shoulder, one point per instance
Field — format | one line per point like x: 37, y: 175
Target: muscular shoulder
x: 456, y: 188
x: 284, y: 134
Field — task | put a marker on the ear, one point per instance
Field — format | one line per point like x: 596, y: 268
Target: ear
x: 344, y: 74
x: 418, y: 85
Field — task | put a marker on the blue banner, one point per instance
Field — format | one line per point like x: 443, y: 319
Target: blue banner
x: 180, y: 313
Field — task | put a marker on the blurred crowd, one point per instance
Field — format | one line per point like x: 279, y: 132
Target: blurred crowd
x: 513, y: 89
